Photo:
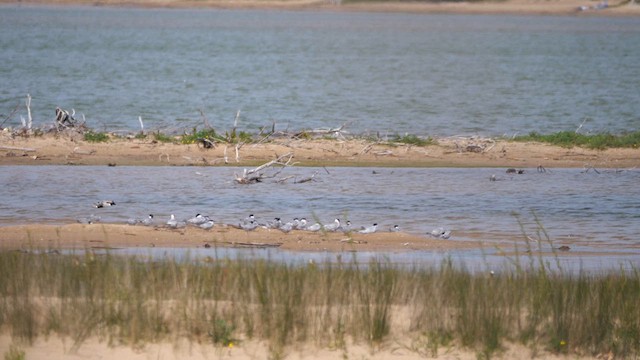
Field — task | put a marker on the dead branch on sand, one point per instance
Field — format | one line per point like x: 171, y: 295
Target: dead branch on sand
x: 255, y: 175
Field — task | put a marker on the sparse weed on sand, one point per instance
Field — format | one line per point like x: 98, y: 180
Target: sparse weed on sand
x: 128, y: 300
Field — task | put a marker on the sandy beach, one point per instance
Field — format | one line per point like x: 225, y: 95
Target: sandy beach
x: 529, y: 7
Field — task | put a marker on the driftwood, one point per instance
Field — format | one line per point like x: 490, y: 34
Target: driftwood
x: 16, y: 148
x: 255, y: 175
x: 296, y: 181
x: 253, y: 244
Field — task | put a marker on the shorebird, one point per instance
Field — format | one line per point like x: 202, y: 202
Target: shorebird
x: 208, y: 224
x: 91, y: 219
x: 251, y: 225
x: 440, y: 233
x: 369, y: 230
x: 274, y: 224
x: 148, y: 221
x: 287, y: 226
x: 394, y: 228
x: 315, y: 227
x: 249, y: 219
x: 301, y: 225
x: 346, y: 227
x: 197, y: 220
x: 333, y: 226
x: 172, y: 222
x: 104, y: 203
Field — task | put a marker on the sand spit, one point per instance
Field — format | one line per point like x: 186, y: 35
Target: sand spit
x: 448, y: 152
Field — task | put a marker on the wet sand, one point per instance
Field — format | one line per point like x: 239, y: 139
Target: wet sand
x: 113, y: 236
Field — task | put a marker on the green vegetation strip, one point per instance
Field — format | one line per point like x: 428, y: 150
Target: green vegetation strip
x: 132, y: 301
x: 594, y: 141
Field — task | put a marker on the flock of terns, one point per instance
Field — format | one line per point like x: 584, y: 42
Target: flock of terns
x: 250, y: 223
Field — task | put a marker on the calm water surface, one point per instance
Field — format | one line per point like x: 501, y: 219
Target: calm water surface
x: 392, y: 73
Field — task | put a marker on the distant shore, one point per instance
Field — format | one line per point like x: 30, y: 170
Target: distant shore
x: 528, y: 7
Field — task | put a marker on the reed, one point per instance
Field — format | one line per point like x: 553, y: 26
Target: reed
x: 133, y: 301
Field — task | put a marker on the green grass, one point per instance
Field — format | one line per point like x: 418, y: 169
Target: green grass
x: 232, y: 137
x: 14, y: 353
x: 209, y: 134
x: 131, y: 301
x: 160, y: 137
x: 413, y: 140
x: 92, y: 136
x: 595, y: 141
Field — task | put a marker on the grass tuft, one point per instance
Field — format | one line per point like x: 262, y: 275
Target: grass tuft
x: 595, y: 141
x: 413, y: 140
x: 14, y: 353
x: 163, y: 138
x: 92, y: 136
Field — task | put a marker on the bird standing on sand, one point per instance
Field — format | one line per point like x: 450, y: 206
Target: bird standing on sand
x: 251, y: 225
x: 148, y: 221
x: 369, y: 230
x: 172, y: 222
x: 197, y: 220
x: 208, y: 224
x: 333, y: 226
x: 315, y: 227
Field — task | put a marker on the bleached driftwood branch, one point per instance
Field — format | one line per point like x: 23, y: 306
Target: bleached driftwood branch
x: 17, y: 148
x: 254, y: 175
x: 29, y: 118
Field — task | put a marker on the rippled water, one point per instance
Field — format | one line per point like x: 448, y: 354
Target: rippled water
x: 396, y: 73
x: 600, y: 210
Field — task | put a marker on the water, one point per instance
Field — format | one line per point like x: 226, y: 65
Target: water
x: 391, y: 73
x: 593, y: 211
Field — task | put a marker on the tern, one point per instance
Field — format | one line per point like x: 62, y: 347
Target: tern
x: 251, y: 225
x: 104, y: 203
x: 91, y: 219
x: 287, y: 227
x: 437, y: 232
x: 249, y: 219
x: 346, y: 227
x: 208, y: 224
x: 302, y: 224
x: 334, y: 226
x: 440, y: 233
x: 148, y: 221
x: 394, y: 228
x: 172, y: 222
x: 274, y: 224
x: 197, y: 220
x: 369, y: 230
x: 315, y: 227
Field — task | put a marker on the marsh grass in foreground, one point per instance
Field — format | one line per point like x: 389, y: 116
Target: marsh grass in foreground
x: 131, y: 301
x: 593, y: 141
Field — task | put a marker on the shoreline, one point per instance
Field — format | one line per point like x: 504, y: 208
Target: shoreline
x: 104, y: 236
x: 507, y: 7
x: 472, y: 151
x: 118, y: 236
